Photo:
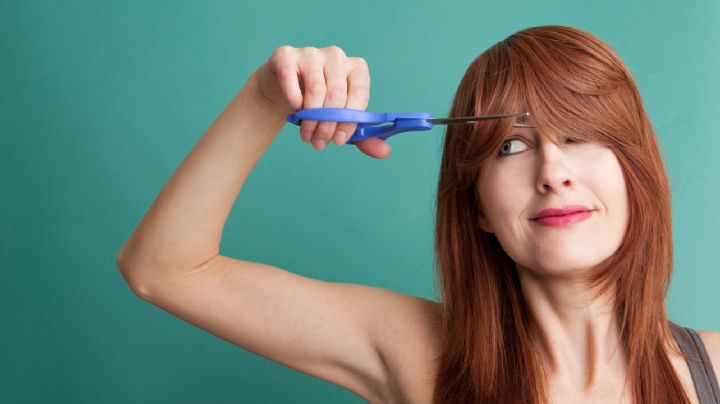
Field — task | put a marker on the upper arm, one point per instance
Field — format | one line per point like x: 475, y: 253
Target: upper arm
x: 711, y: 340
x: 324, y: 329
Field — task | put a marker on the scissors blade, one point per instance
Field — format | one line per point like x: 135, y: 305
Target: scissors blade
x: 471, y: 119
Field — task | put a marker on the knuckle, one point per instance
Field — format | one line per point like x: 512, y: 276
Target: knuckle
x: 361, y: 62
x: 286, y: 74
x: 324, y: 133
x: 335, y: 52
x: 282, y: 53
x: 310, y: 51
x: 336, y: 49
x: 336, y: 93
x: 316, y: 85
x: 284, y: 49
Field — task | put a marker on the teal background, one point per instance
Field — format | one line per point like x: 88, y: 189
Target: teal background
x: 101, y: 101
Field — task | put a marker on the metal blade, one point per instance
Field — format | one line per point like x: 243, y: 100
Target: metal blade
x: 471, y: 119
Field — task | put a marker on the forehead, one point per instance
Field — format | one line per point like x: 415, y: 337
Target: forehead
x: 524, y: 122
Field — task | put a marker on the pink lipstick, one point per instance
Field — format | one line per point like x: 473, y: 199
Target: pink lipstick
x: 563, y: 217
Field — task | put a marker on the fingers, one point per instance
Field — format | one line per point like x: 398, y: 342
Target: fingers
x: 374, y: 147
x: 358, y: 96
x: 284, y: 64
x: 336, y: 72
x: 326, y: 77
x: 289, y: 82
x: 314, y: 97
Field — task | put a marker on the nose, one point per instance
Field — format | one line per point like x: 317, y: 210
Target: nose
x: 554, y: 174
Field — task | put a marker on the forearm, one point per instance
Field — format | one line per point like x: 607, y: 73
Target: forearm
x: 183, y: 227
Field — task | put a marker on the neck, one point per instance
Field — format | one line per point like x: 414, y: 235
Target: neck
x: 578, y: 332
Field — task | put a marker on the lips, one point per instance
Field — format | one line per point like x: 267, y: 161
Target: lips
x: 568, y: 210
x: 563, y: 217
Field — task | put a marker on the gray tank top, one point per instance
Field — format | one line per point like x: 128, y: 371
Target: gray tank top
x: 701, y: 369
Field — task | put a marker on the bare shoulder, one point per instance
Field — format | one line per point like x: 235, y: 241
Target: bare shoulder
x: 711, y: 339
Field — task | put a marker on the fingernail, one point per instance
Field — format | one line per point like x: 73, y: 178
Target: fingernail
x: 306, y: 136
x: 318, y: 144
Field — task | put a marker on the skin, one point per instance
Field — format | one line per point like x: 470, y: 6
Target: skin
x: 579, y: 333
x: 375, y: 342
x: 531, y: 173
x: 312, y: 78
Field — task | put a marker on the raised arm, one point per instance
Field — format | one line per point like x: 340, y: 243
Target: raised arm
x: 183, y: 227
x: 172, y: 258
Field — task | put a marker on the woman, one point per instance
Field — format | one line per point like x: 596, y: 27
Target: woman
x: 538, y: 305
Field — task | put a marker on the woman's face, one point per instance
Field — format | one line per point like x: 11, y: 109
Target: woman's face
x: 530, y: 174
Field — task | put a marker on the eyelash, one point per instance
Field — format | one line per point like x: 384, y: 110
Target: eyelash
x: 499, y: 153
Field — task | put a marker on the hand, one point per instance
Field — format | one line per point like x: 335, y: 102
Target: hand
x: 298, y: 78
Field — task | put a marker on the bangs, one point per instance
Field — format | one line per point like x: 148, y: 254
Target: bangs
x: 573, y: 84
x: 570, y: 86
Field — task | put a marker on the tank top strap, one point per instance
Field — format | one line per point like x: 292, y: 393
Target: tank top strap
x: 698, y: 360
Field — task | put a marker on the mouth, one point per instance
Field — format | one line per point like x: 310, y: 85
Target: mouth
x: 563, y: 217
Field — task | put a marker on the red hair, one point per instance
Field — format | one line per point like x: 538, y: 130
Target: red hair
x: 571, y: 82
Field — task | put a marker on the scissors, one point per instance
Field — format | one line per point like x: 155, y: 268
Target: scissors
x: 386, y: 124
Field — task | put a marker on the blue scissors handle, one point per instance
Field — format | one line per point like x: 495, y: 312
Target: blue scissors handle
x: 370, y: 124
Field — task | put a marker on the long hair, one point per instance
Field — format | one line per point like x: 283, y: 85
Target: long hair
x: 571, y: 82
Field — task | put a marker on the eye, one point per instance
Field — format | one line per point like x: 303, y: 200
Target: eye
x: 507, y: 147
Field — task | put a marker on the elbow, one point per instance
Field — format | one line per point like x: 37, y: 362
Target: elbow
x: 130, y: 273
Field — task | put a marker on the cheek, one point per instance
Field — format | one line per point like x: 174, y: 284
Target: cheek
x: 616, y: 191
x: 607, y: 181
x: 505, y: 192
